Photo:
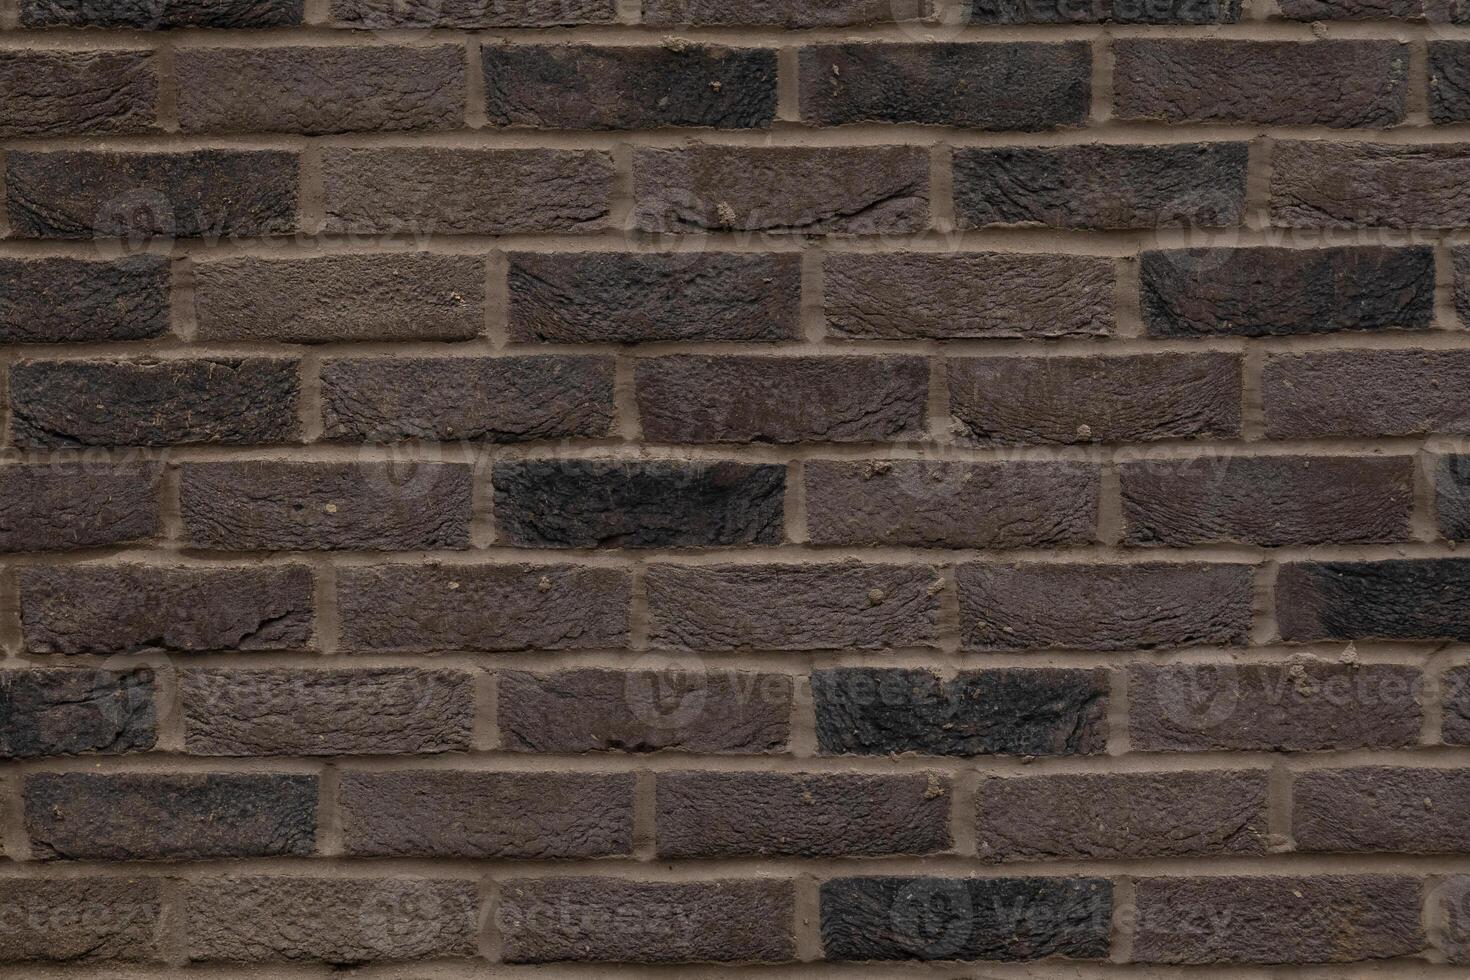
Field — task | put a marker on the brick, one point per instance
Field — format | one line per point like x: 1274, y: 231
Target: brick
x: 548, y: 920
x: 1331, y: 83
x: 72, y: 919
x: 999, y: 711
x: 280, y: 506
x: 169, y: 817
x: 1036, y: 606
x: 588, y: 503
x: 739, y: 814
x: 422, y: 608
x: 954, y: 295
x: 1232, y: 919
x: 1449, y: 81
x: 221, y: 400
x: 1412, y: 599
x: 740, y: 398
x: 621, y: 87
x: 502, y: 399
x: 1123, y: 815
x: 787, y: 14
x: 1099, y: 186
x: 314, y: 90
x: 868, y: 190
x: 61, y: 300
x: 1267, y: 500
x: 154, y: 15
x: 590, y: 710
x: 1311, y: 706
x: 280, y: 712
x: 77, y: 505
x: 259, y: 919
x: 1259, y: 292
x: 72, y: 93
x: 470, y: 14
x: 1105, y: 11
x: 632, y: 297
x: 1455, y: 700
x: 68, y: 712
x: 1368, y: 393
x: 413, y: 296
x: 846, y: 605
x: 486, y: 814
x: 110, y: 609
x: 1460, y: 257
x: 1010, y: 401
x: 82, y: 194
x: 1433, y: 10
x: 1381, y: 808
x: 421, y: 191
x: 1321, y: 184
x: 965, y: 918
x: 1450, y: 897
x: 951, y: 505
x: 1026, y: 87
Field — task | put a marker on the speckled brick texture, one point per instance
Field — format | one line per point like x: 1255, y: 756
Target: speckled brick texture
x: 719, y: 489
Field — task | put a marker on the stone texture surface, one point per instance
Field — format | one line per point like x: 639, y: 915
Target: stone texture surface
x: 61, y: 507
x: 81, y: 919
x: 63, y: 300
x: 66, y: 93
x: 68, y: 712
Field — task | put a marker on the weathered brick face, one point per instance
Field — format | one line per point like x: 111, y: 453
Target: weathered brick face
x: 720, y: 488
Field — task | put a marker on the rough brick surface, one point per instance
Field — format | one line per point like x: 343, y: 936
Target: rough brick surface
x: 1449, y: 81
x: 64, y: 93
x: 470, y: 14
x: 63, y: 507
x: 778, y: 13
x: 81, y: 919
x: 1380, y: 808
x: 1399, y: 600
x: 67, y: 712
x: 1317, y: 184
x: 1456, y: 705
x: 60, y: 300
x: 152, y: 15
x: 1105, y: 11
x: 1365, y: 393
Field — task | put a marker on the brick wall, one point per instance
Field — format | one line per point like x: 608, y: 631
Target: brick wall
x: 514, y: 487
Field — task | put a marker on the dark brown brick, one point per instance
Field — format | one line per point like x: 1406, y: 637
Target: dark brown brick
x: 486, y: 814
x: 1449, y: 81
x: 1460, y: 257
x: 60, y: 300
x: 169, y: 817
x: 1123, y: 815
x: 1257, y: 292
x: 1366, y: 393
x: 792, y: 607
x: 548, y: 920
x: 952, y: 295
x: 390, y: 710
x: 154, y: 15
x: 1381, y: 808
x: 1000, y: 711
x: 1322, y: 184
x: 1452, y: 497
x: 421, y: 608
x: 1412, y: 599
x: 1105, y: 11
x: 778, y: 13
x: 72, y: 93
x: 867, y: 190
x: 589, y: 503
x: 213, y: 194
x: 470, y: 14
x: 1456, y: 703
x: 62, y: 506
x: 132, y: 608
x: 417, y: 191
x: 965, y: 918
x: 574, y: 711
x: 66, y: 712
x: 414, y: 296
x: 1364, y: 9
x: 1027, y: 87
x: 341, y: 921
x: 327, y: 89
x: 502, y: 399
x: 1327, y: 83
x: 951, y: 505
x: 741, y: 398
x: 1452, y: 898
x: 629, y: 87
x: 736, y: 814
x: 279, y: 506
x: 630, y: 297
x: 1010, y: 401
x: 223, y: 400
x: 1267, y: 500
x: 1298, y: 707
x: 76, y: 919
x: 1322, y: 919
x: 1100, y: 186
x: 1037, y: 606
